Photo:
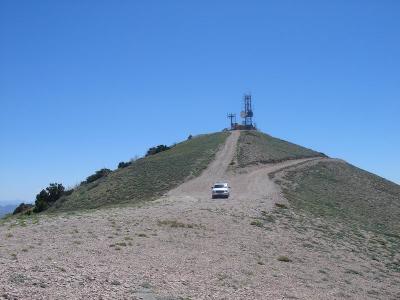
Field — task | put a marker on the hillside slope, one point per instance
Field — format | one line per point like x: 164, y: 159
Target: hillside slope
x: 357, y: 206
x: 306, y: 228
x: 256, y: 147
x: 147, y: 178
x: 338, y: 190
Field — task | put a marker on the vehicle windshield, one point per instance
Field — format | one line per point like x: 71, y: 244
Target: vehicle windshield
x: 218, y: 186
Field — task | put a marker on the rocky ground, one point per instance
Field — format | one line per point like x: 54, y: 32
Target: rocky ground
x: 188, y: 246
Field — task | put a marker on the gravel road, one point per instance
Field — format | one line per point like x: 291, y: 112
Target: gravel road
x: 187, y: 246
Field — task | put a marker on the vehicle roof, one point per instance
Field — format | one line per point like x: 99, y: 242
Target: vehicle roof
x: 223, y: 183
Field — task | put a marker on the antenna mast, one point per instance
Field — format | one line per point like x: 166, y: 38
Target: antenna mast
x: 232, y: 117
x: 247, y: 113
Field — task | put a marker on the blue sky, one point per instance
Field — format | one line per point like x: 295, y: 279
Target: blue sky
x: 86, y: 84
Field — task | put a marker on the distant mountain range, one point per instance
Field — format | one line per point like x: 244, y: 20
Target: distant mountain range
x: 6, y: 209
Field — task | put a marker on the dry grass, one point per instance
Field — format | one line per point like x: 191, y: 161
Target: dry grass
x: 177, y: 224
x: 256, y: 223
x: 256, y: 147
x: 147, y: 178
x: 343, y: 192
x: 352, y: 206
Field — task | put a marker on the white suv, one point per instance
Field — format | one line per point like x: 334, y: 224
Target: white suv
x: 220, y: 189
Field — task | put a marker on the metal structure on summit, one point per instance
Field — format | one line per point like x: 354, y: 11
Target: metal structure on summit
x: 246, y: 114
x: 232, y: 117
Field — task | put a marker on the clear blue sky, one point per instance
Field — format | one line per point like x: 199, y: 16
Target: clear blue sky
x: 86, y: 84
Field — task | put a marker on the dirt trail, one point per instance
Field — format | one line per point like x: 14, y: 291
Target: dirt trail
x: 184, y: 246
x: 199, y: 187
x: 250, y: 187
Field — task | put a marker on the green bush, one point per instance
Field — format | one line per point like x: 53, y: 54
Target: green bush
x: 48, y: 196
x: 123, y: 164
x: 99, y: 174
x: 158, y: 149
x: 147, y: 178
x: 22, y: 208
x: 284, y: 258
x: 41, y: 202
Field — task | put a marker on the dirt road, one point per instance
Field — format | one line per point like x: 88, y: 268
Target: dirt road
x: 183, y: 246
x: 249, y: 186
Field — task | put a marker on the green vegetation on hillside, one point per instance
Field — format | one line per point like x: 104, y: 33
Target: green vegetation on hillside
x: 158, y: 149
x: 146, y: 178
x: 341, y: 191
x: 257, y: 147
x: 97, y: 175
x: 22, y: 208
x: 123, y: 164
x: 47, y: 197
x: 348, y: 204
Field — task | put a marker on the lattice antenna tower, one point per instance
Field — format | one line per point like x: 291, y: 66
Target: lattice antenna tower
x: 247, y: 113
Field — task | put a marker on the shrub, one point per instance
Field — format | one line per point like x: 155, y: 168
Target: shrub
x: 99, y: 174
x: 22, y: 208
x: 41, y: 202
x: 284, y: 258
x: 158, y: 149
x: 55, y: 191
x: 190, y: 137
x: 48, y: 196
x: 281, y: 205
x: 257, y: 223
x: 124, y: 164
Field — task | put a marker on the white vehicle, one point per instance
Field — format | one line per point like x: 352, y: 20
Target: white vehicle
x: 220, y: 190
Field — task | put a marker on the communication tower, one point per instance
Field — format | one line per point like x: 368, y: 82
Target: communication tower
x: 247, y: 113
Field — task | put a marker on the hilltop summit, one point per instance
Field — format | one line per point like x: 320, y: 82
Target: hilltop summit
x: 297, y: 224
